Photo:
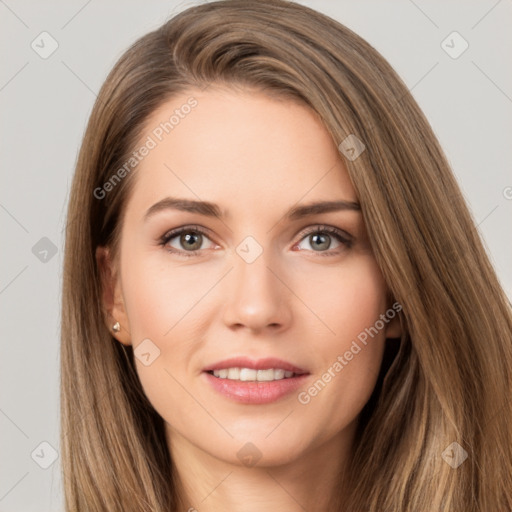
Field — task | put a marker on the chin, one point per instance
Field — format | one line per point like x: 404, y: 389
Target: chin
x: 259, y: 449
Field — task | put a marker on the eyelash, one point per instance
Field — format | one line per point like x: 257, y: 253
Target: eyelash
x: 337, y: 233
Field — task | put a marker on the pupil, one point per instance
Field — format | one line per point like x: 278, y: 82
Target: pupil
x: 322, y: 244
x: 188, y: 240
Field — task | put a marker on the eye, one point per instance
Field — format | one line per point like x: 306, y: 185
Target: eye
x: 189, y: 240
x: 320, y: 238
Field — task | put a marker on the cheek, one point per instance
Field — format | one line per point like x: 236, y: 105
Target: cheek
x: 163, y: 305
x: 352, y: 356
x: 159, y: 299
x: 159, y: 304
x: 345, y: 300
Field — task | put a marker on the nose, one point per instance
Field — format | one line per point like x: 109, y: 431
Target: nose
x: 257, y: 298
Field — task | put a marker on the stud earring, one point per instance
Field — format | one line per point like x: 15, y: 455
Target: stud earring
x: 116, y: 327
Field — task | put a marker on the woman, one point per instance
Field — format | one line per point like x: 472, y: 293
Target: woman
x: 274, y: 293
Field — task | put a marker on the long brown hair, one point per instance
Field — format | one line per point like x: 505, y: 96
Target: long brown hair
x: 451, y: 378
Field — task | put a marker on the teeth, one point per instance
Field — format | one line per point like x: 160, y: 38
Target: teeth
x: 270, y: 374
x: 248, y: 374
x: 233, y: 373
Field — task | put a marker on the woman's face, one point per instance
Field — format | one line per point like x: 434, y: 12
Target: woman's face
x: 248, y: 278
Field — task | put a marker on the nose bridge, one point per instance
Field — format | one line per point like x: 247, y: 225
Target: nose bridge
x: 253, y: 279
x: 258, y: 297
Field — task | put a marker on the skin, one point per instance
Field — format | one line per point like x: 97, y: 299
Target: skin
x: 255, y: 157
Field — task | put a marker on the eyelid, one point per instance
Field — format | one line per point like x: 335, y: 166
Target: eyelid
x: 328, y: 229
x: 172, y: 233
x: 188, y: 227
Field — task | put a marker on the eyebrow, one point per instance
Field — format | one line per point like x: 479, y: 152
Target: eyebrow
x: 209, y: 209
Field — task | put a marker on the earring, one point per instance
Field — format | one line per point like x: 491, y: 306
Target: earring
x: 116, y: 327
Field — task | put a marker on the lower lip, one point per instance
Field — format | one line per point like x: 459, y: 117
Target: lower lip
x: 252, y: 392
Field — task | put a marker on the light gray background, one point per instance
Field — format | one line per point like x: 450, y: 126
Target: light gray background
x: 45, y: 104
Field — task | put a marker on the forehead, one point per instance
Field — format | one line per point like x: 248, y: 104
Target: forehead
x: 240, y: 149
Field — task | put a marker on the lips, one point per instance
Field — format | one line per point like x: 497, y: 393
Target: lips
x: 250, y: 391
x: 256, y: 364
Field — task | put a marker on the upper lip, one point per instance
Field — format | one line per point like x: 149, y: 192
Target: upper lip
x: 255, y: 364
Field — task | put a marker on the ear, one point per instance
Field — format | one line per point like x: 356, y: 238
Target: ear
x: 112, y: 295
x: 394, y: 327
